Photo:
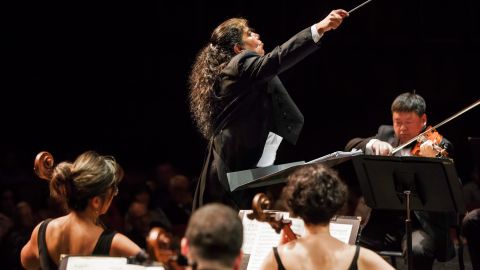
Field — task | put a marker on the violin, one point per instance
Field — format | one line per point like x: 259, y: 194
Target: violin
x: 261, y: 212
x: 160, y: 247
x: 432, y: 135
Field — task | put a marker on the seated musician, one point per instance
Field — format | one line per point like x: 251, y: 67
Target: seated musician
x: 214, y: 238
x: 86, y: 187
x: 385, y: 230
x: 315, y: 193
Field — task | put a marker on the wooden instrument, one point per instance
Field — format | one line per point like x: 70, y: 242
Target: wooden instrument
x: 261, y: 212
x: 43, y: 165
x: 160, y: 247
x: 431, y: 135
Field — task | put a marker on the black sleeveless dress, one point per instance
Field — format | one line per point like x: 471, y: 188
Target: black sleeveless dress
x: 102, y: 247
x: 353, y: 264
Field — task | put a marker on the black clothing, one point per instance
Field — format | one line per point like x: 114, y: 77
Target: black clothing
x: 277, y: 259
x: 252, y: 102
x: 430, y: 231
x: 471, y: 231
x: 102, y: 247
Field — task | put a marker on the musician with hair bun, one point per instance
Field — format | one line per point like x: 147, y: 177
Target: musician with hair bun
x: 86, y: 187
x: 315, y: 194
x: 430, y: 231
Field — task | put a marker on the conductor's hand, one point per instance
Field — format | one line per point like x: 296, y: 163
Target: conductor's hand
x: 332, y: 21
x: 381, y: 148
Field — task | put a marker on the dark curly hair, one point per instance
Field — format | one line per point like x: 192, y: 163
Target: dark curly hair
x: 209, y: 63
x: 315, y: 193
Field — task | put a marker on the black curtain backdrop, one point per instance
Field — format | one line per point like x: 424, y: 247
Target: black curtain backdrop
x: 112, y: 77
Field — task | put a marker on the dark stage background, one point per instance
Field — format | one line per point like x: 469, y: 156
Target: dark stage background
x: 112, y: 77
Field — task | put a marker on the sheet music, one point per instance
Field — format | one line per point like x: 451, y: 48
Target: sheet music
x: 341, y: 231
x: 86, y: 263
x: 249, y: 231
x: 337, y: 155
x: 259, y: 238
x: 104, y: 263
x: 265, y: 239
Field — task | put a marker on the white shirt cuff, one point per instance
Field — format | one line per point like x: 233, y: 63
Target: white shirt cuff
x: 368, y: 147
x: 315, y: 35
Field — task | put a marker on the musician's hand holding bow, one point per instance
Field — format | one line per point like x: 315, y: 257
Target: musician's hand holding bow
x: 378, y: 148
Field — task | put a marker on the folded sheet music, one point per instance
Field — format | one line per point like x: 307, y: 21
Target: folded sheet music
x: 277, y: 173
x: 336, y: 157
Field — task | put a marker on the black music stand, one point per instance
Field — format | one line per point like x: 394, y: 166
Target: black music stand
x: 409, y: 183
x: 276, y: 174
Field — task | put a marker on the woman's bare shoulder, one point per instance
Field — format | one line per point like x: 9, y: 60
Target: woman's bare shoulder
x: 371, y: 261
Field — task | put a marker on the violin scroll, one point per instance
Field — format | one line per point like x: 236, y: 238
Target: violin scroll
x: 43, y: 165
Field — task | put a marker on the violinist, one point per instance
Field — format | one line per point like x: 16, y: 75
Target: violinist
x: 430, y: 237
x: 409, y: 120
x: 315, y: 193
x: 214, y: 238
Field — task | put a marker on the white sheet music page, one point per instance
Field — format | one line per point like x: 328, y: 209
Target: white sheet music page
x: 341, y: 231
x: 265, y: 239
x: 105, y: 263
x: 92, y: 262
x: 258, y: 239
x: 250, y: 230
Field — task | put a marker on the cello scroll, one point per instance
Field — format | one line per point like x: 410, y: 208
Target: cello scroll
x: 261, y: 212
x: 43, y: 165
x: 160, y: 247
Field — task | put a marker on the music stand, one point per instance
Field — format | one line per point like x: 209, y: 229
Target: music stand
x: 474, y: 145
x: 275, y: 174
x: 410, y: 183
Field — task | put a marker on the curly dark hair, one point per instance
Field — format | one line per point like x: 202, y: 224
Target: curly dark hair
x: 209, y: 63
x: 315, y: 193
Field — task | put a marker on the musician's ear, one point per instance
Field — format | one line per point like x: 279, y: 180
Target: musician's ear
x: 96, y: 203
x: 184, y: 246
x: 238, y: 261
x: 237, y: 48
x: 424, y: 119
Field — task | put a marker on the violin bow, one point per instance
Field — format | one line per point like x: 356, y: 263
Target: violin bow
x: 476, y: 103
